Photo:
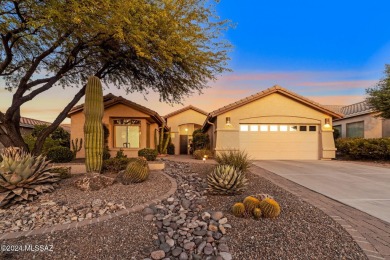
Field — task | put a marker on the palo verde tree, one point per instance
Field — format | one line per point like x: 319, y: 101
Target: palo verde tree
x: 173, y: 47
x: 379, y: 96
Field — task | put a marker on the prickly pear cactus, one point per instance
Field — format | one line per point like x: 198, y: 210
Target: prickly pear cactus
x: 93, y: 128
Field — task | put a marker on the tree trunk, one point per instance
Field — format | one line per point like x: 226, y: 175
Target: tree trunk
x: 10, y: 134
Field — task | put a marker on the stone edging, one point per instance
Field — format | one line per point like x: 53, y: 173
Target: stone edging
x: 58, y: 227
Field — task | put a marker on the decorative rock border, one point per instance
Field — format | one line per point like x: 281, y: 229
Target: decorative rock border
x: 51, y: 229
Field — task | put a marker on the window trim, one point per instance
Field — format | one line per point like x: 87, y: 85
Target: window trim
x: 348, y: 124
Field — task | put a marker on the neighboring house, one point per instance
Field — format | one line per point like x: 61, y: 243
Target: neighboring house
x: 360, y: 121
x: 131, y: 126
x: 274, y: 124
x: 183, y: 123
x: 27, y: 126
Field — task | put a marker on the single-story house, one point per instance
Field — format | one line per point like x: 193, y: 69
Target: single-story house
x: 359, y: 121
x: 183, y: 123
x: 131, y: 126
x: 274, y: 124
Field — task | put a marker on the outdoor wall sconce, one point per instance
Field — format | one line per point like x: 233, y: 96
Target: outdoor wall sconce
x: 228, y: 122
x: 327, y: 123
x: 204, y: 158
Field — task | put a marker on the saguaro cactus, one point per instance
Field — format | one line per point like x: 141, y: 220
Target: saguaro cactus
x: 76, y: 147
x: 93, y: 128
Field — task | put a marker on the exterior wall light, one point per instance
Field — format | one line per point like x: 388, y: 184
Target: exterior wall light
x: 327, y: 122
x: 228, y: 121
x: 204, y: 158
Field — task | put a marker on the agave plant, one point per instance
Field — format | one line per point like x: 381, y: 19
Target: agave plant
x: 23, y: 176
x: 226, y: 180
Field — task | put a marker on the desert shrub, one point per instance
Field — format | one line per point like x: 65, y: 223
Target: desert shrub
x: 116, y: 164
x: 235, y: 158
x: 65, y: 172
x: 336, y: 133
x: 120, y: 154
x: 363, y: 149
x: 47, y: 145
x: 59, y: 135
x: 199, y: 154
x: 171, y: 149
x: 148, y: 153
x: 106, y: 154
x: 200, y: 140
x: 60, y: 154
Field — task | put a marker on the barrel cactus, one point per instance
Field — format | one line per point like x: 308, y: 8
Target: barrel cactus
x: 24, y: 176
x: 238, y: 209
x: 93, y: 128
x: 136, y: 171
x: 269, y: 208
x: 251, y: 203
x: 226, y: 180
x: 256, y: 213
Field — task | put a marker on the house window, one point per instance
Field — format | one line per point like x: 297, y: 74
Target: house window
x: 355, y: 129
x: 127, y: 133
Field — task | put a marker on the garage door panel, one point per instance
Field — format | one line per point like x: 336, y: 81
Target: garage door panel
x: 280, y: 145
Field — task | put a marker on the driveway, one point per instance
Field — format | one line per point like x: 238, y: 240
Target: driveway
x: 363, y: 187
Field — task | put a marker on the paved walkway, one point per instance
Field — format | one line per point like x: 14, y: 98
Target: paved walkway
x: 363, y: 187
x: 371, y: 234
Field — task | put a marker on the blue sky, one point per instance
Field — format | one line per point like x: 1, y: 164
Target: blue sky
x: 328, y: 51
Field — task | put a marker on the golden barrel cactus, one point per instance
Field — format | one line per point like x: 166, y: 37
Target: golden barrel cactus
x: 136, y: 171
x: 251, y: 203
x: 238, y: 209
x: 256, y: 213
x: 269, y: 208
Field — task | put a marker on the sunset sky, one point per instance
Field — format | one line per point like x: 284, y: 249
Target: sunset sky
x: 329, y: 51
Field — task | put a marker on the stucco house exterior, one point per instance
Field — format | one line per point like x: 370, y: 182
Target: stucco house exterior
x: 274, y: 124
x: 359, y: 121
x: 183, y: 123
x: 131, y: 126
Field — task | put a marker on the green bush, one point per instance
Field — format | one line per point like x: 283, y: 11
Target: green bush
x: 200, y: 140
x: 120, y: 154
x: 363, y: 149
x: 60, y: 154
x: 171, y: 149
x: 47, y: 145
x: 116, y: 164
x: 199, y: 154
x: 65, y: 172
x: 106, y: 154
x: 237, y: 159
x: 148, y: 153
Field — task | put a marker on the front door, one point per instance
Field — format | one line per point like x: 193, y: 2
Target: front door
x: 183, y: 144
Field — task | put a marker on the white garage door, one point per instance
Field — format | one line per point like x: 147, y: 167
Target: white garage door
x: 280, y: 142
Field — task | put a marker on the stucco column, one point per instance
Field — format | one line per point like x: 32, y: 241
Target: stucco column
x: 328, y: 146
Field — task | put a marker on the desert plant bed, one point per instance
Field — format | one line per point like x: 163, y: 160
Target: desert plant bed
x: 68, y: 204
x: 301, y: 231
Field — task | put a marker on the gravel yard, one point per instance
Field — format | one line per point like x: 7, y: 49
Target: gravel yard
x: 300, y: 232
x: 68, y: 204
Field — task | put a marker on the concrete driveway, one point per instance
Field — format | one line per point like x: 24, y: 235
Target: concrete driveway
x: 363, y: 187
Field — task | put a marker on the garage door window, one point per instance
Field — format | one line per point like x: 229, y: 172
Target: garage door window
x: 273, y: 128
x: 254, y: 128
x: 302, y: 128
x: 244, y: 128
x: 283, y: 128
x: 293, y: 128
x: 263, y: 128
x: 312, y: 128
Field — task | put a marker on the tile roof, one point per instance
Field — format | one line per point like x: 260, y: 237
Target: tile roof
x: 30, y: 123
x: 356, y: 109
x: 269, y: 91
x: 110, y: 100
x: 185, y: 109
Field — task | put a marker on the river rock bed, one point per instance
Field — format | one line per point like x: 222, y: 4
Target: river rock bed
x: 184, y: 229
